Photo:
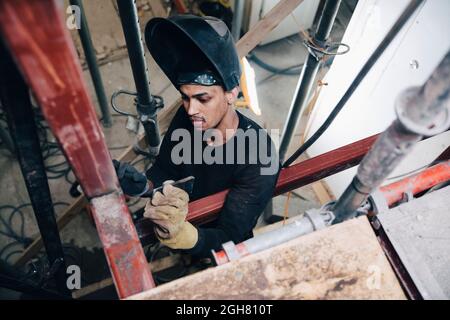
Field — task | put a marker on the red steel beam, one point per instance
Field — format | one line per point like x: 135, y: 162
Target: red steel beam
x: 298, y: 175
x: 36, y: 34
x: 293, y: 177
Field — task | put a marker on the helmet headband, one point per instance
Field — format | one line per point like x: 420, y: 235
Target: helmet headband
x: 204, y: 78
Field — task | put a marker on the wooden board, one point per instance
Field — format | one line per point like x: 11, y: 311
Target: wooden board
x: 344, y: 261
x: 158, y: 8
x: 156, y: 266
x: 260, y: 30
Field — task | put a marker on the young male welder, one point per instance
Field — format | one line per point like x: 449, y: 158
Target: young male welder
x: 199, y: 57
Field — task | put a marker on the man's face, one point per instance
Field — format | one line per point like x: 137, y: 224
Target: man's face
x: 205, y: 105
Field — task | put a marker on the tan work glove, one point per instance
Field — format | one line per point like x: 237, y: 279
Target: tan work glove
x: 168, y: 211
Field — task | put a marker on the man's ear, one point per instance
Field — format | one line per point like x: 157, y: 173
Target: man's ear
x: 232, y: 95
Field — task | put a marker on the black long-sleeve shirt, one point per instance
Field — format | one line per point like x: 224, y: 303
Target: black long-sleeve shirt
x: 250, y: 187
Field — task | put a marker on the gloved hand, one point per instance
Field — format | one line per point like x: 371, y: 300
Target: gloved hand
x: 132, y: 182
x: 168, y: 211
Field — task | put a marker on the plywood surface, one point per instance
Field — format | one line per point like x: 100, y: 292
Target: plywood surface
x: 342, y: 262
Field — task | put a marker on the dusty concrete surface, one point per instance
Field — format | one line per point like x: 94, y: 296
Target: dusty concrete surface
x: 274, y: 96
x: 322, y: 265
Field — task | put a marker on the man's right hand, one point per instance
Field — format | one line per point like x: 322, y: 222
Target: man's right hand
x: 132, y: 182
x: 168, y: 210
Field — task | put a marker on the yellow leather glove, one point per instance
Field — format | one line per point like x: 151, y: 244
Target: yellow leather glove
x: 168, y: 211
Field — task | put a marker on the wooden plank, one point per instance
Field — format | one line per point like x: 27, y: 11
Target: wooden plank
x: 247, y: 43
x: 157, y: 8
x: 62, y: 221
x: 156, y: 266
x: 322, y: 193
x: 322, y: 265
x: 259, y: 31
x: 276, y: 225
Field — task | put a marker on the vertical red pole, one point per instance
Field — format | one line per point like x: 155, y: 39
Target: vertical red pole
x: 36, y: 35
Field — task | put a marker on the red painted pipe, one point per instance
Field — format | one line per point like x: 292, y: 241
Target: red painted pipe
x: 415, y: 184
x: 36, y: 35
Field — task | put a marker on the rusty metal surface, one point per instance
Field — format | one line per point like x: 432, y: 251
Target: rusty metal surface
x: 38, y: 38
x: 322, y: 265
x: 122, y: 247
x: 36, y: 35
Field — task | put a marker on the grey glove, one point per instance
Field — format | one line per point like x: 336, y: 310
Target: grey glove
x: 132, y: 182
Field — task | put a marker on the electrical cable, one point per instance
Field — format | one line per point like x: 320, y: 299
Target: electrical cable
x: 272, y: 75
x: 291, y: 71
x: 407, y: 13
x: 38, y: 266
x: 158, y: 278
x: 19, y: 238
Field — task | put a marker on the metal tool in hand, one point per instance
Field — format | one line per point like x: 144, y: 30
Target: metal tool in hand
x: 146, y: 115
x: 186, y: 184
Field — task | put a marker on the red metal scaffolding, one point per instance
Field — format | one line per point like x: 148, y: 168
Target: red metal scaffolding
x: 36, y: 35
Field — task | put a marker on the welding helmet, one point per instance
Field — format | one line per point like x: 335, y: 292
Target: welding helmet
x: 192, y: 49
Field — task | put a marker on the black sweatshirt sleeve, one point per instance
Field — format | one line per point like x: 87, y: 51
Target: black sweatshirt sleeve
x: 244, y: 204
x: 163, y: 169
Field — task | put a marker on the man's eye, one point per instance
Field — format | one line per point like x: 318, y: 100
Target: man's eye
x: 204, y: 100
x: 184, y: 98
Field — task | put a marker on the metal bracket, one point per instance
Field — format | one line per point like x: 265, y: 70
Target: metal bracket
x: 320, y: 49
x: 378, y: 202
x: 53, y: 269
x: 441, y: 121
x: 141, y: 116
x: 322, y: 217
x: 231, y: 251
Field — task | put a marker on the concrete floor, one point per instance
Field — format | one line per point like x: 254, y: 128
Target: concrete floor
x: 274, y: 95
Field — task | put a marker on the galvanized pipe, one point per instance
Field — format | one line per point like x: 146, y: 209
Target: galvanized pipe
x: 303, y: 89
x: 422, y: 111
x: 314, y: 219
x: 237, y: 19
x: 371, y: 61
x: 309, y: 72
x: 91, y: 60
x: 146, y: 104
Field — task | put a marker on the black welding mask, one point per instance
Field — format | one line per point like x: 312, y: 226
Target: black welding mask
x: 194, y: 49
